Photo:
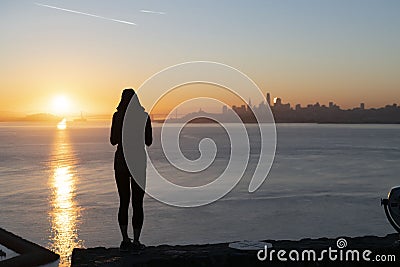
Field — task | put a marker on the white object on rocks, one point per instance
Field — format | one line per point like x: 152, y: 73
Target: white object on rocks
x: 249, y: 245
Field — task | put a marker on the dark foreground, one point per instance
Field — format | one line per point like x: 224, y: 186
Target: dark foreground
x: 222, y: 255
x: 30, y: 254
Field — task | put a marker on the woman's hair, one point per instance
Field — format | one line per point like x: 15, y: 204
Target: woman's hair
x: 126, y: 97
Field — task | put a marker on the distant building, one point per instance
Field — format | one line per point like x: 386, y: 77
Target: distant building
x: 268, y: 99
x: 239, y: 110
x: 279, y: 106
x: 333, y: 106
x: 362, y: 106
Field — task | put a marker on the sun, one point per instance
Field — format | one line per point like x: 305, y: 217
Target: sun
x: 60, y: 105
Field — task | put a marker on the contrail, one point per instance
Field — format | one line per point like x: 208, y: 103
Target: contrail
x: 152, y: 12
x: 87, y: 14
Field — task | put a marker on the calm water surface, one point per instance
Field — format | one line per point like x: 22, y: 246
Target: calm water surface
x: 57, y: 187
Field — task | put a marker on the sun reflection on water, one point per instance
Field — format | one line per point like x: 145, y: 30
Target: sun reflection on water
x: 62, y: 125
x: 64, y: 211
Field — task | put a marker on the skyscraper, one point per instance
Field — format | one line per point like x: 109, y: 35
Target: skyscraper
x: 268, y: 99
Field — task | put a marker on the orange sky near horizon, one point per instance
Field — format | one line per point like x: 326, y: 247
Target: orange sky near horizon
x: 96, y: 90
x: 104, y: 101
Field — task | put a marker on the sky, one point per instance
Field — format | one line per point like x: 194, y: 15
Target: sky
x: 344, y: 51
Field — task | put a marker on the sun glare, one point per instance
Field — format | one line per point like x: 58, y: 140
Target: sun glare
x: 62, y: 125
x: 61, y: 105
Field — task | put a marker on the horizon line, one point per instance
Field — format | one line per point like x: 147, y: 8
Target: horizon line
x: 14, y: 114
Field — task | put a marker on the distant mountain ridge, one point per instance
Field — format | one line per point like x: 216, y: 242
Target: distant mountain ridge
x: 37, y: 117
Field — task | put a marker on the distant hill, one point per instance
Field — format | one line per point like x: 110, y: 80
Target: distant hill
x: 47, y: 117
x: 9, y: 115
x: 202, y: 120
x: 37, y: 117
x: 41, y: 117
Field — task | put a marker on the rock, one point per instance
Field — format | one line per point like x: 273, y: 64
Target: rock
x: 222, y: 255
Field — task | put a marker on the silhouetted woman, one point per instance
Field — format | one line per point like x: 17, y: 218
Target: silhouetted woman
x: 123, y: 177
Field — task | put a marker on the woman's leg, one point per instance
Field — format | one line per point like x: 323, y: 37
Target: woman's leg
x: 123, y: 181
x: 138, y: 214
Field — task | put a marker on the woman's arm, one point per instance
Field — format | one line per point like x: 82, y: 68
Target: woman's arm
x: 148, y: 132
x: 114, y: 131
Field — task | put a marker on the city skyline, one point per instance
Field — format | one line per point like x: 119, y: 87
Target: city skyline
x: 286, y: 113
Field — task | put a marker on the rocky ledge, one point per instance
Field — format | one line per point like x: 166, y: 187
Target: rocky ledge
x: 223, y: 255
